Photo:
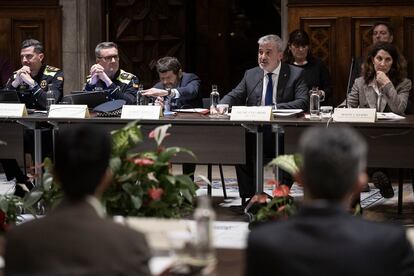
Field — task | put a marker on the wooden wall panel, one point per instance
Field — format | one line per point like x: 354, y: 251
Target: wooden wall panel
x: 146, y: 30
x: 18, y: 23
x: 348, y: 23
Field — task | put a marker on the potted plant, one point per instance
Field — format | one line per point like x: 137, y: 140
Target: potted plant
x: 281, y: 205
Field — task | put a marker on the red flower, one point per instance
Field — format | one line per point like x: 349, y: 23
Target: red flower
x: 281, y: 191
x: 155, y: 193
x: 260, y: 198
x: 143, y: 161
x: 3, y: 225
x: 273, y: 182
x: 151, y: 134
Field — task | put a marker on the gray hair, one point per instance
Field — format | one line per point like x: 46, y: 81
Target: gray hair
x: 333, y: 158
x: 272, y: 38
x: 104, y: 45
x: 37, y: 45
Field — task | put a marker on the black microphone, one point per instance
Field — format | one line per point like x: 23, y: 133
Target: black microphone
x: 349, y: 82
x: 248, y: 94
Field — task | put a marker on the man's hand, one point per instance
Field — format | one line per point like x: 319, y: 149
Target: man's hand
x: 155, y: 92
x: 382, y: 79
x: 24, y: 75
x: 98, y: 73
x: 19, y: 80
x: 159, y: 101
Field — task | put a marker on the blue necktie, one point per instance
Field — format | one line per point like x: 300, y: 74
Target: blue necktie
x: 269, y: 90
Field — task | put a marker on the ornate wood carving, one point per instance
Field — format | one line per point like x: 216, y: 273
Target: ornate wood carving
x: 40, y: 22
x: 351, y: 37
x: 146, y: 30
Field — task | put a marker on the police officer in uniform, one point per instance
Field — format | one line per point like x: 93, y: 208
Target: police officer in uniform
x: 33, y: 78
x: 31, y: 81
x: 106, y: 75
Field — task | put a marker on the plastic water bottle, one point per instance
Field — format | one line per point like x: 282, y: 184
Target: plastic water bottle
x: 204, y: 217
x: 214, y: 99
x: 314, y: 104
x: 50, y: 97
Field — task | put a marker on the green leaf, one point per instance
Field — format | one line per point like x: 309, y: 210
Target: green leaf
x: 4, y: 204
x: 136, y: 201
x: 169, y: 152
x: 47, y: 181
x: 160, y: 133
x: 171, y: 179
x: 287, y: 162
x: 115, y: 164
x: 31, y: 198
x: 187, y: 195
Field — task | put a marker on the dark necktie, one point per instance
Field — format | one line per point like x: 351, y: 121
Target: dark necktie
x: 269, y: 90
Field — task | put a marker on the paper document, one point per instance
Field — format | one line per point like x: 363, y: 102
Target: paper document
x: 193, y: 110
x: 389, y: 116
x: 286, y: 112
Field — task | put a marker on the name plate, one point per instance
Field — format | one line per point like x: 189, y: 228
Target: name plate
x: 148, y: 112
x: 361, y: 115
x: 12, y: 110
x: 251, y: 113
x: 77, y: 111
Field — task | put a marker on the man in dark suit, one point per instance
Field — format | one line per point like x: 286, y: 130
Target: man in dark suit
x: 286, y: 89
x: 323, y: 238
x: 176, y: 89
x: 179, y: 89
x: 75, y: 238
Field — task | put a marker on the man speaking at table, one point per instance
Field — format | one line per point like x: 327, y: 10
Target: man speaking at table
x: 271, y: 83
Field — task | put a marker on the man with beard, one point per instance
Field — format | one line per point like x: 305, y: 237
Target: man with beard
x: 272, y: 83
x: 107, y: 76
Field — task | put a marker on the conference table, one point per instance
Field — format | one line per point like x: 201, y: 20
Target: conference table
x: 222, y: 141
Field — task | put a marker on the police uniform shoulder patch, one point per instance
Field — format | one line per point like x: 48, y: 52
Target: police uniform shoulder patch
x: 125, y: 77
x: 51, y: 68
x: 43, y: 84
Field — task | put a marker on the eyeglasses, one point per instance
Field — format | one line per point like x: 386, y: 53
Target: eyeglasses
x: 109, y: 58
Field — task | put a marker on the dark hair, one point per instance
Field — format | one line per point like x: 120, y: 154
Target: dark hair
x: 81, y: 158
x: 166, y: 64
x: 104, y: 45
x: 398, y: 69
x: 386, y: 24
x: 297, y: 38
x: 332, y: 160
x: 37, y: 45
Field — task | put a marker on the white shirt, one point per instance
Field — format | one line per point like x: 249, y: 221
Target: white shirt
x: 275, y: 78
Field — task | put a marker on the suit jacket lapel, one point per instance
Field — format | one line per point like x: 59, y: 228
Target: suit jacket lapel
x: 282, y: 80
x: 372, y: 98
x: 258, y: 85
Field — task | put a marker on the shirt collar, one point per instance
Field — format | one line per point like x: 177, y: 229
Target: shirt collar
x: 276, y: 71
x: 96, y: 205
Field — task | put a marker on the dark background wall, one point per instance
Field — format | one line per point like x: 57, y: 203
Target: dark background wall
x: 216, y: 39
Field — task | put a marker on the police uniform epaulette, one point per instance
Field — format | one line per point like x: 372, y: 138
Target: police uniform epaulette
x: 51, y: 68
x: 126, y: 76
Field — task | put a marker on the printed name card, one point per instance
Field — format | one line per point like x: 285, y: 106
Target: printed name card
x: 361, y: 115
x: 12, y: 110
x: 148, y: 112
x: 77, y: 111
x: 251, y: 113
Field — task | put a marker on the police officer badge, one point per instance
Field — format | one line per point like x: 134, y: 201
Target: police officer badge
x: 43, y: 84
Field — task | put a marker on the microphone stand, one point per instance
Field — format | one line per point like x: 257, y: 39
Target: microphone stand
x: 349, y: 81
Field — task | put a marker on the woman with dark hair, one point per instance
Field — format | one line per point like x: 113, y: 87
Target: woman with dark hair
x: 298, y: 53
x: 383, y: 84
